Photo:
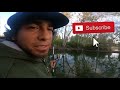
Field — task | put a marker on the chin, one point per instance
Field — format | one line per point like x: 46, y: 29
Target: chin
x: 37, y: 54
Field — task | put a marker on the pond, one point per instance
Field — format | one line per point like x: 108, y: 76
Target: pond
x: 76, y: 64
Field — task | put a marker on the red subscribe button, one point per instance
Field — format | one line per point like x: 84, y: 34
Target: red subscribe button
x: 93, y: 27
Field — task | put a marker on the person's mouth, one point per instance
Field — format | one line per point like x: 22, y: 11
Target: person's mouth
x: 42, y: 47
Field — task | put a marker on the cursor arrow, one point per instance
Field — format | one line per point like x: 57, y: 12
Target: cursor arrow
x: 95, y: 42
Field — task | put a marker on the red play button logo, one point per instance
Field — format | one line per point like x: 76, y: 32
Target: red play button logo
x: 79, y: 27
x: 93, y: 27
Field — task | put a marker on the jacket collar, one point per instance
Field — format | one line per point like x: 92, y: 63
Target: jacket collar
x: 11, y: 45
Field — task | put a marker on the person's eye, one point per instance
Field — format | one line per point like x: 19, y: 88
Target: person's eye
x: 32, y: 27
x: 50, y: 28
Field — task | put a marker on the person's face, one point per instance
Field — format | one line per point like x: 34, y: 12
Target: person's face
x: 35, y: 38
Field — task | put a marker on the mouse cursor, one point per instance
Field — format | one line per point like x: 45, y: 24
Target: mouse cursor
x: 95, y: 42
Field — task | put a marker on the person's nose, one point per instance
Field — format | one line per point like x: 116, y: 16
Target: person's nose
x: 44, y: 34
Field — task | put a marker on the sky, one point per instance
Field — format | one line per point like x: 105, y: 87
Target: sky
x: 3, y: 20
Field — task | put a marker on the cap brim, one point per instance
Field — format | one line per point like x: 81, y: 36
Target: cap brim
x: 58, y: 19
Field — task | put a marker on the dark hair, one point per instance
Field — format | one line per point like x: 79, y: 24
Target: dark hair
x: 9, y: 34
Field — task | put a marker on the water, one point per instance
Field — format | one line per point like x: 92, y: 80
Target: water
x: 77, y: 64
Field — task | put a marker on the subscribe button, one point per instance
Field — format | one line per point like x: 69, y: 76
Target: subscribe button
x: 93, y: 27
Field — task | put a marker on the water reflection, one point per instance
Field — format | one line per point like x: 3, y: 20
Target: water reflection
x: 88, y: 65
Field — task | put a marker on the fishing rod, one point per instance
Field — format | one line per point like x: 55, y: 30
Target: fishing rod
x: 53, y: 62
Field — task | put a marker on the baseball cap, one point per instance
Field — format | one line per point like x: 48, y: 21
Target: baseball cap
x: 56, y: 18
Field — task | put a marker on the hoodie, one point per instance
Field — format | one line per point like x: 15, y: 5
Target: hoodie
x: 15, y: 63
